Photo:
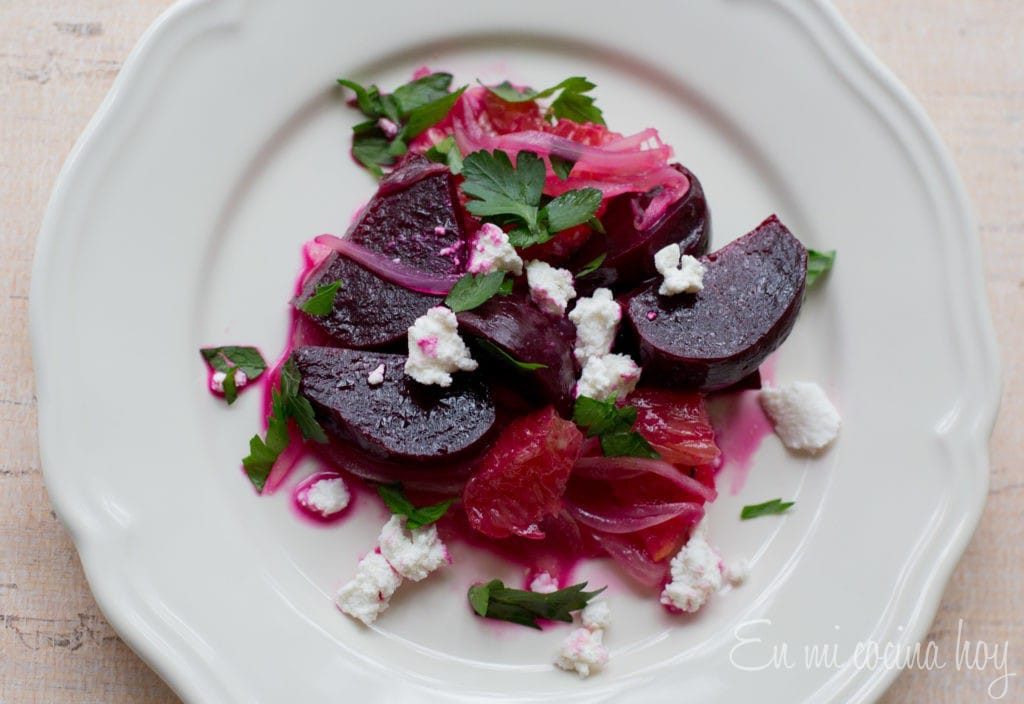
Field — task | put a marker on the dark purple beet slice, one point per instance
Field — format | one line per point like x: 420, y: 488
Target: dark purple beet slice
x: 368, y: 311
x: 630, y: 257
x: 415, y: 218
x: 753, y: 289
x: 399, y: 419
x: 525, y: 333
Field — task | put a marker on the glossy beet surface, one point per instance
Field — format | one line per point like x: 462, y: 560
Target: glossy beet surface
x: 526, y: 334
x: 630, y: 259
x: 414, y: 217
x: 368, y: 310
x: 399, y: 419
x: 753, y: 289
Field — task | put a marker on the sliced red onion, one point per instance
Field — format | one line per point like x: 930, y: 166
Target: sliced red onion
x: 629, y: 519
x: 635, y: 561
x: 619, y: 468
x: 397, y: 273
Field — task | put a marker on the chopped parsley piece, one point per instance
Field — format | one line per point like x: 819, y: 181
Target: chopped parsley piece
x: 496, y: 601
x: 396, y: 118
x: 396, y: 500
x: 322, y: 302
x: 498, y: 351
x: 446, y: 152
x: 613, y: 425
x: 224, y: 359
x: 231, y: 359
x: 818, y: 263
x: 768, y: 508
x: 572, y: 102
x: 286, y: 403
x: 592, y: 266
x: 510, y: 195
x: 561, y: 167
x: 473, y: 290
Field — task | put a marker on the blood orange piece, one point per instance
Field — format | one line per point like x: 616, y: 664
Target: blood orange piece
x: 676, y: 425
x: 522, y: 478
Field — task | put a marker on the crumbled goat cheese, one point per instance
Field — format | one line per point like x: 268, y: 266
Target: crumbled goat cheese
x: 583, y: 652
x: 606, y: 375
x: 544, y: 583
x: 435, y: 348
x: 696, y: 573
x: 550, y: 288
x: 596, y: 319
x: 327, y: 496
x: 368, y: 594
x: 596, y: 615
x: 413, y: 554
x: 803, y: 416
x: 491, y: 251
x: 376, y: 377
x: 682, y: 273
x: 736, y: 573
x: 217, y: 380
x: 389, y: 128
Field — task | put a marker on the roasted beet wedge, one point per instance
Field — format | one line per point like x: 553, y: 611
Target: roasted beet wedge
x: 368, y: 311
x: 630, y: 258
x: 414, y: 217
x: 753, y: 289
x: 399, y: 419
x: 523, y: 332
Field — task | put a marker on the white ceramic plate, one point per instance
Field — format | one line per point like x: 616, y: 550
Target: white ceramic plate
x: 177, y: 222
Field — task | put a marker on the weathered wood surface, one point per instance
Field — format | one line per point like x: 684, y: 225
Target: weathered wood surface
x: 964, y: 59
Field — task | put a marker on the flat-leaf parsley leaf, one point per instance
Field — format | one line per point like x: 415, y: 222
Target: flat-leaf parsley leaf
x: 510, y: 195
x: 496, y: 601
x: 768, y: 508
x: 415, y: 517
x: 613, y: 426
x: 286, y: 403
x: 322, y: 301
x: 818, y: 263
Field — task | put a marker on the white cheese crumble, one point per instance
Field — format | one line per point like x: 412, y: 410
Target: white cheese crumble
x: 217, y: 380
x: 682, y: 273
x: 376, y: 377
x: 736, y: 573
x: 803, y: 417
x: 550, y: 288
x: 696, y: 573
x: 606, y: 375
x: 327, y: 496
x: 596, y: 319
x: 491, y: 251
x: 544, y: 583
x: 413, y: 554
x: 369, y: 592
x: 435, y: 348
x: 596, y: 615
x: 583, y: 652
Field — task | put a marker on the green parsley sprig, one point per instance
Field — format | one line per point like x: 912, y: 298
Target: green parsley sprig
x: 321, y: 303
x: 230, y: 359
x: 819, y: 263
x: 286, y: 404
x: 572, y: 102
x: 496, y: 601
x: 473, y: 290
x: 412, y: 108
x: 415, y: 517
x: 613, y: 425
x: 768, y: 508
x: 510, y: 195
